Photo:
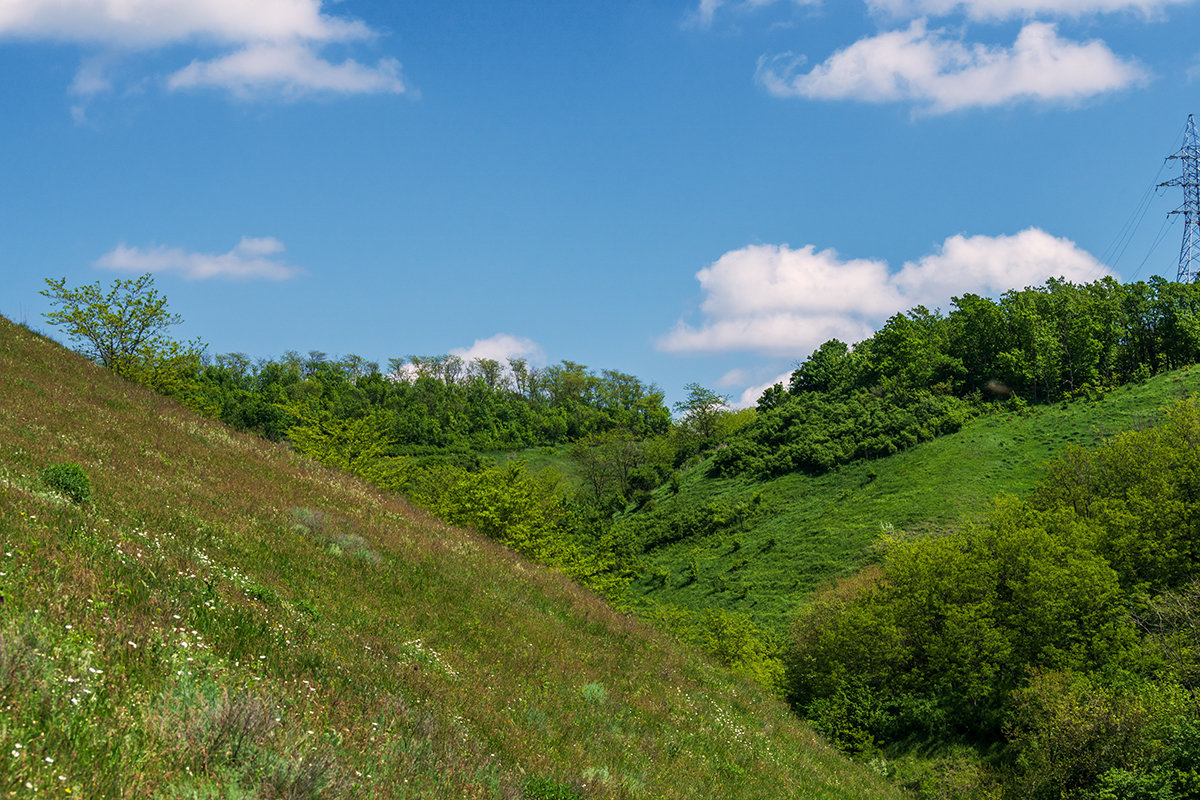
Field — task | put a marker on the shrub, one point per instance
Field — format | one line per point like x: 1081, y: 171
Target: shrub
x: 237, y: 725
x: 307, y: 778
x: 68, y: 480
x: 548, y: 789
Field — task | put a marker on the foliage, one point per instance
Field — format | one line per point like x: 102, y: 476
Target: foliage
x: 124, y: 329
x: 69, y: 480
x: 730, y: 637
x: 529, y: 512
x: 1138, y: 495
x: 814, y: 433
x: 923, y: 374
x: 701, y: 411
x: 353, y: 445
x: 431, y: 404
x: 1063, y: 627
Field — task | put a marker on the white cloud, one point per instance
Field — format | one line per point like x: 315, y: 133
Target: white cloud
x: 251, y: 258
x: 502, y: 347
x: 1006, y: 9
x: 989, y: 265
x: 780, y: 301
x: 264, y: 46
x: 290, y: 69
x: 154, y: 23
x: 756, y: 386
x: 941, y: 73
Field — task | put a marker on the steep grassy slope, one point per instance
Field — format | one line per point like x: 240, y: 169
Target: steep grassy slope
x: 225, y: 619
x: 759, y: 547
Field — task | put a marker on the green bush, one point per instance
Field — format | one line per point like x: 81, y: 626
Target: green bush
x: 68, y: 480
x: 548, y: 789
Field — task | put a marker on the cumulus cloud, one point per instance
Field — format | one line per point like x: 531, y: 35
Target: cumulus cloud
x: 776, y: 300
x: 289, y: 69
x: 267, y: 44
x: 251, y: 258
x: 1006, y: 9
x: 153, y: 23
x: 502, y: 347
x: 942, y: 73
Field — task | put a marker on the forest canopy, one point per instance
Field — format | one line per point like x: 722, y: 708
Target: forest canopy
x: 924, y: 373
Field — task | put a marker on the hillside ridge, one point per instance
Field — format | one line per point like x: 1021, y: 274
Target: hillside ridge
x: 247, y: 623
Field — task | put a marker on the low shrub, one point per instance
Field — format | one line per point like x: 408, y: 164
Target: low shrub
x: 537, y: 788
x: 68, y: 480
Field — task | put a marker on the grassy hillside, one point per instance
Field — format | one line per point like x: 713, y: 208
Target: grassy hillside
x: 226, y: 619
x: 759, y: 547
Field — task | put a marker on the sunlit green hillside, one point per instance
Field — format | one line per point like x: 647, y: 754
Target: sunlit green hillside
x: 222, y: 618
x: 760, y: 546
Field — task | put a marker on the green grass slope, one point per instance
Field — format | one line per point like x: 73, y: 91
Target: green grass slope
x: 226, y: 619
x: 760, y: 547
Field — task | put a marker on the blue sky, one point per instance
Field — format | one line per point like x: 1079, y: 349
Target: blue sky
x: 686, y: 190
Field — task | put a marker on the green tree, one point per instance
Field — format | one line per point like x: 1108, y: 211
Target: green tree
x: 351, y: 444
x: 702, y: 410
x: 123, y: 328
x: 829, y: 369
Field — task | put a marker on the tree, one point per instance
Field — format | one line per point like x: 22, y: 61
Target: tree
x: 352, y: 444
x: 829, y: 369
x: 702, y: 410
x: 124, y: 329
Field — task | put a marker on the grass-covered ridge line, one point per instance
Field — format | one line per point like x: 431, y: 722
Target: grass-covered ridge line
x: 226, y: 619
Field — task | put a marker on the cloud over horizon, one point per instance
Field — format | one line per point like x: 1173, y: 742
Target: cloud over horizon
x: 501, y: 347
x: 779, y: 301
x: 252, y: 258
x: 264, y: 46
x: 941, y: 73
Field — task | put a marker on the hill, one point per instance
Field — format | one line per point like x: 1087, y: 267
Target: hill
x: 760, y: 546
x: 223, y: 618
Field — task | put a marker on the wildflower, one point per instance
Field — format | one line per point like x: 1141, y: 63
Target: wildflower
x: 49, y: 760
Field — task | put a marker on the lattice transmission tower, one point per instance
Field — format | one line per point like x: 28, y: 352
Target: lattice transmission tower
x: 1189, y: 181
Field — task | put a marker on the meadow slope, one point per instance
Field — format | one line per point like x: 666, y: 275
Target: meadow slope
x: 761, y: 546
x: 227, y: 619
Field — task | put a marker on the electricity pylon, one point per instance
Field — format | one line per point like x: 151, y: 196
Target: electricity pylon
x: 1189, y: 154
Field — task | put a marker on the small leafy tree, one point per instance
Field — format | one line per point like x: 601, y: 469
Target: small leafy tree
x: 123, y: 328
x: 702, y: 410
